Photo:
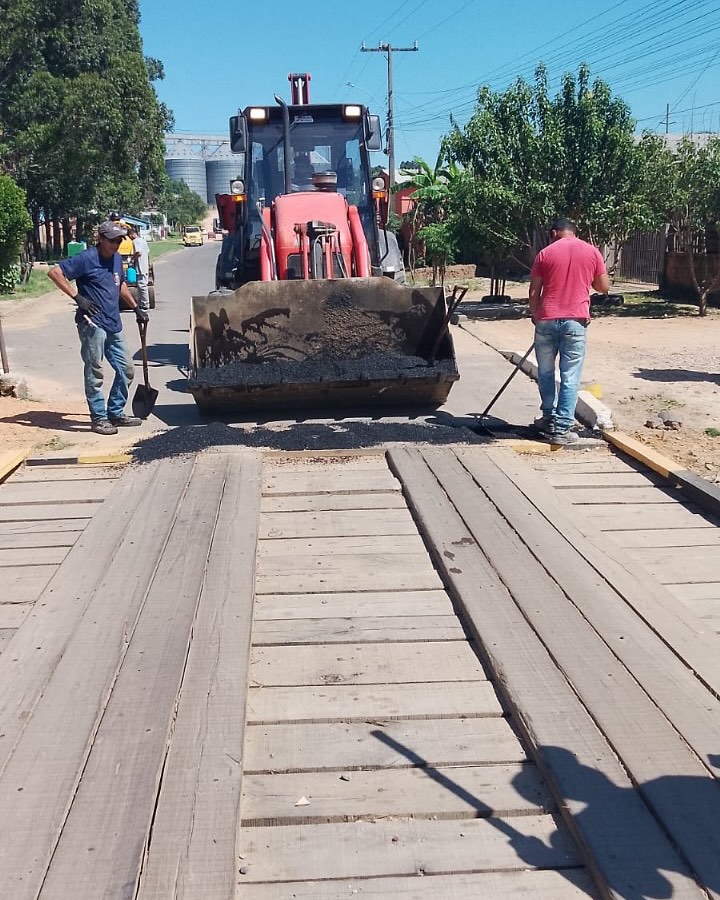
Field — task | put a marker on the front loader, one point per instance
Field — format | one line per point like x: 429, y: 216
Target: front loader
x: 310, y: 308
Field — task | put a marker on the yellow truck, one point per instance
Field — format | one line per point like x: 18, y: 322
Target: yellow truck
x: 192, y: 236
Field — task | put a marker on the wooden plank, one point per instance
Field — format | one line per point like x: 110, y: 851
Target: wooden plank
x: 65, y: 473
x: 696, y: 591
x: 31, y: 556
x: 706, y: 608
x: 670, y: 537
x: 347, y: 746
x: 316, y: 547
x: 368, y: 603
x: 647, y: 455
x: 314, y: 502
x: 363, y: 664
x: 24, y: 584
x: 53, y: 734
x: 10, y: 460
x: 38, y: 512
x: 624, y: 479
x: 193, y: 848
x: 655, y: 604
x: 38, y: 539
x: 19, y: 493
x: 344, y: 480
x: 648, y: 704
x: 564, y: 465
x: 623, y: 496
x: 348, y: 630
x: 12, y: 615
x: 646, y: 517
x: 386, y: 848
x: 565, y: 884
x: 622, y: 840
x: 5, y: 635
x: 350, y: 579
x: 459, y: 792
x: 43, y: 526
x: 41, y: 642
x: 683, y: 566
x: 391, y: 565
x: 125, y: 761
x: 340, y: 523
x: 441, y: 699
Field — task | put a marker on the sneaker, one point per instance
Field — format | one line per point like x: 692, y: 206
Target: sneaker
x: 125, y: 421
x: 563, y: 438
x: 102, y: 426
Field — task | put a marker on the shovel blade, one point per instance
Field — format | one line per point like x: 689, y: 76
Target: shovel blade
x: 144, y: 401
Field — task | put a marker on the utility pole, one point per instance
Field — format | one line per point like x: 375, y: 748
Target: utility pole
x: 389, y: 50
x: 667, y: 118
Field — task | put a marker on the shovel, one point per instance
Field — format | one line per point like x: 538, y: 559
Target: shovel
x: 145, y: 396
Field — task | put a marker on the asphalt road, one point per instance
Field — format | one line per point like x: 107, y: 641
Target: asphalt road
x: 41, y: 334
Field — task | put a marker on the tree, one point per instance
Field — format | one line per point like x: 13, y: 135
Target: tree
x: 439, y: 248
x: 432, y: 190
x: 14, y: 223
x: 181, y: 205
x: 529, y: 157
x: 694, y: 213
x: 81, y: 126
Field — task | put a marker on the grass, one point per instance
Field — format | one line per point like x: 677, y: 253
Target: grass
x: 37, y: 285
x: 160, y: 248
x: 652, y: 306
x: 712, y: 432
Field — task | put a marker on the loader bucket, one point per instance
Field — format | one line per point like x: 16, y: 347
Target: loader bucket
x: 351, y: 342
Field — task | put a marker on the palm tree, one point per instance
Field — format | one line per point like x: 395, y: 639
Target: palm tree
x: 433, y: 187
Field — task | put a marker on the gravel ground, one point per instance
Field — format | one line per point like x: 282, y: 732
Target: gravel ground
x: 347, y: 435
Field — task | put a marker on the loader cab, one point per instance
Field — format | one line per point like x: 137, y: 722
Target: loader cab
x: 328, y: 150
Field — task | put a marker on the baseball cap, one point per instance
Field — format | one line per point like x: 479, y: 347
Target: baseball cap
x: 111, y: 231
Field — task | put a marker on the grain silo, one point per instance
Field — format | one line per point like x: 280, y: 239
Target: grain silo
x: 220, y: 172
x: 191, y: 171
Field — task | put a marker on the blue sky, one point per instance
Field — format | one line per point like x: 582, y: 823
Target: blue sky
x: 222, y: 55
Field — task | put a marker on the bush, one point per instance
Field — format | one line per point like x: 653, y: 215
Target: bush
x: 14, y: 223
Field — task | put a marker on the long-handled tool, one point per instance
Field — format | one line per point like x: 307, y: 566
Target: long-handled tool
x: 3, y: 353
x: 510, y: 377
x: 145, y: 396
x: 453, y: 301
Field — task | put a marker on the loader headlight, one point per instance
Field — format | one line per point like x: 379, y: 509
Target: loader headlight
x: 378, y: 185
x: 237, y: 186
x: 352, y: 111
x: 257, y: 114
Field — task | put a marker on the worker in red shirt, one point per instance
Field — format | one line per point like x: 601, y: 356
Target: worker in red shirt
x: 560, y: 282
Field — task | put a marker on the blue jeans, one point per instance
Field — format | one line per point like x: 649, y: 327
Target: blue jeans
x: 565, y: 338
x: 96, y: 344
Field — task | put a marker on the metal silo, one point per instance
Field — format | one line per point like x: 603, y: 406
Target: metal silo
x: 191, y: 171
x: 220, y: 172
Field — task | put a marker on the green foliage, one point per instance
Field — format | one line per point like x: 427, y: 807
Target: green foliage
x: 528, y: 157
x: 181, y: 205
x: 694, y: 210
x: 712, y: 432
x: 82, y: 128
x: 14, y: 223
x: 439, y: 247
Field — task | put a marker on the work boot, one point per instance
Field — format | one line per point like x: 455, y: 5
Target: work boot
x: 563, y: 437
x: 125, y: 421
x: 544, y: 424
x: 102, y: 426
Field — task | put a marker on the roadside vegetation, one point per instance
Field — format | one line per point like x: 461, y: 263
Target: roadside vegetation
x: 526, y: 157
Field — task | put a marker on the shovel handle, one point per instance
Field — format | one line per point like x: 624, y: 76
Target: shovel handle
x: 142, y: 328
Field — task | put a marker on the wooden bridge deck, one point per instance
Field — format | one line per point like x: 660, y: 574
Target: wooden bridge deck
x: 426, y: 675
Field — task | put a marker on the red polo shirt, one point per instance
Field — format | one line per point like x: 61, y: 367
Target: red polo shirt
x: 568, y: 268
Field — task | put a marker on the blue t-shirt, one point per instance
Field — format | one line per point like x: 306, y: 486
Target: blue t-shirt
x: 100, y: 280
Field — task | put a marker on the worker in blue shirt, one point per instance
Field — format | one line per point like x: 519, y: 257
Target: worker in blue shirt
x: 98, y: 274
